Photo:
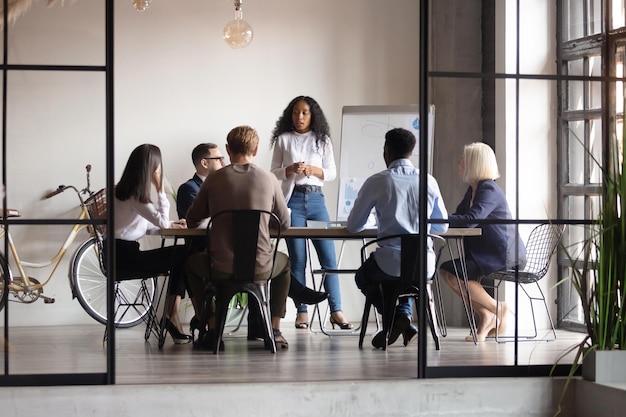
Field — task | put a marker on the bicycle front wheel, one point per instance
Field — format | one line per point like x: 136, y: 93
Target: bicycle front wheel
x: 5, y: 278
x: 133, y: 298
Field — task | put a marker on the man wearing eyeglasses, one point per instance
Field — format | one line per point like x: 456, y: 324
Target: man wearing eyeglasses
x: 207, y: 159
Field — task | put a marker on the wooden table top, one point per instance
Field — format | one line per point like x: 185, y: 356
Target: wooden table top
x: 339, y: 233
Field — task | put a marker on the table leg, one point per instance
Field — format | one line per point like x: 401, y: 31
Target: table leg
x: 462, y: 281
x: 317, y: 314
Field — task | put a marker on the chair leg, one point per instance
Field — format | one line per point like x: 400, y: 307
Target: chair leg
x: 531, y: 300
x: 317, y: 311
x: 221, y: 310
x: 548, y: 313
x: 441, y: 315
x: 240, y: 322
x: 432, y: 317
x: 267, y: 317
x: 365, y: 318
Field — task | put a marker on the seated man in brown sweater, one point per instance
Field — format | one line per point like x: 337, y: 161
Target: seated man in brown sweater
x: 242, y: 185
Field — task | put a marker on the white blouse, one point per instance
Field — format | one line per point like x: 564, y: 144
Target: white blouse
x: 292, y: 147
x: 133, y: 219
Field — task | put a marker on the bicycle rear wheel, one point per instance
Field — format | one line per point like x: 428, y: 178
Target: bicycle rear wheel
x: 90, y: 287
x: 5, y: 273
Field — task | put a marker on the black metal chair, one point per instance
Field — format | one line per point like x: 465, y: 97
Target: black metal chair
x: 406, y: 286
x: 244, y: 225
x: 137, y: 300
x: 541, y: 245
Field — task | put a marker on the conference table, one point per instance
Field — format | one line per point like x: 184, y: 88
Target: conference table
x: 335, y: 233
x: 453, y: 236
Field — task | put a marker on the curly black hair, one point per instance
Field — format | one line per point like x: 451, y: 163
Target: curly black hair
x: 319, y: 124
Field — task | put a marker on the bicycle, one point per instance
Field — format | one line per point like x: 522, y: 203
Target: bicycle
x: 88, y: 282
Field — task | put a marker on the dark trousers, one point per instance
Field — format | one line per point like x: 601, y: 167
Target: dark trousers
x: 168, y: 259
x: 370, y: 274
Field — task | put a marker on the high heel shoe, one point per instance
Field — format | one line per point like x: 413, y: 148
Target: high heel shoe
x: 194, y: 325
x: 302, y: 321
x: 343, y: 326
x: 179, y: 338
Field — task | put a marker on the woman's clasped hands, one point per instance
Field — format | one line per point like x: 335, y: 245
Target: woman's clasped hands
x: 302, y: 168
x: 179, y: 224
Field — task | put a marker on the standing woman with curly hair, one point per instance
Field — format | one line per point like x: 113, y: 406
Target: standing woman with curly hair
x: 303, y: 159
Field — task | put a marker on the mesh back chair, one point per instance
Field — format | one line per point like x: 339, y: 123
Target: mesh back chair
x: 541, y: 245
x: 244, y: 226
x: 407, y: 285
x: 133, y: 302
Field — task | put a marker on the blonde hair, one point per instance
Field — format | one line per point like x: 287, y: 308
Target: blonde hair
x: 480, y: 163
x: 242, y: 140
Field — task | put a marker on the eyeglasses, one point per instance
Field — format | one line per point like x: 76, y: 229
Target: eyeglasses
x: 215, y: 158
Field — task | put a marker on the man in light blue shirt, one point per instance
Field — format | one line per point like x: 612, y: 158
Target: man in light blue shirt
x: 394, y: 195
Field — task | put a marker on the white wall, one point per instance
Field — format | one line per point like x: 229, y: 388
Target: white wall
x: 178, y: 84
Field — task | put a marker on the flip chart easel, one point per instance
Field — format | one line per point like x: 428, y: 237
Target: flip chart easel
x: 363, y: 131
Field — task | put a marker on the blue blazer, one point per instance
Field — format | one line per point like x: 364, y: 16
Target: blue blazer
x: 495, y: 248
x: 186, y: 193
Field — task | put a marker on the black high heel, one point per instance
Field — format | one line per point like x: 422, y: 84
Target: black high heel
x: 343, y: 326
x: 179, y: 338
x: 194, y: 325
x: 302, y: 324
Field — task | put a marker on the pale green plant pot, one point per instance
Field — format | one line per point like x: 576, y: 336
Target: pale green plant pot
x: 605, y: 366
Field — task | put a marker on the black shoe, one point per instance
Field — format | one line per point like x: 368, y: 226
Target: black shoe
x: 206, y: 341
x: 409, y: 334
x: 256, y: 334
x: 400, y: 324
x: 343, y: 326
x: 307, y: 296
x: 194, y: 325
x: 179, y: 338
x: 256, y: 324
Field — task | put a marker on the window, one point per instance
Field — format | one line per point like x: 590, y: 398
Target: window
x: 591, y: 114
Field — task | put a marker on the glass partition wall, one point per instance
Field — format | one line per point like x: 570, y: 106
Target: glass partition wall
x: 53, y: 108
x: 549, y: 108
x: 496, y: 73
x: 591, y: 104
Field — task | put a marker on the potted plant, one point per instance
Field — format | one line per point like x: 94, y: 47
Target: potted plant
x: 599, y: 278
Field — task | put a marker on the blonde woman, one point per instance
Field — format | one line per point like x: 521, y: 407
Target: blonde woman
x: 495, y: 248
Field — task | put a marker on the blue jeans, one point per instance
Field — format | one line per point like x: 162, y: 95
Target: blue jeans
x: 311, y: 206
x: 370, y: 273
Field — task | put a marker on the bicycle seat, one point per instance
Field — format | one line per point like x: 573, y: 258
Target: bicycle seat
x: 10, y: 213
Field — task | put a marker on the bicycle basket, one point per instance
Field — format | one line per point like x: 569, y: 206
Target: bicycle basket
x: 97, y: 207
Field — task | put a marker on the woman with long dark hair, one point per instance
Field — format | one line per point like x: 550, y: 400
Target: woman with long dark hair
x: 135, y: 215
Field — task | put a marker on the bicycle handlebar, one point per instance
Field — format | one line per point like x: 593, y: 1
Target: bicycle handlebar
x: 53, y: 193
x: 57, y: 191
x: 62, y: 188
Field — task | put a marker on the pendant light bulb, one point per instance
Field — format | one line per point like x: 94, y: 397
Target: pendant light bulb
x: 238, y: 33
x: 141, y: 5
